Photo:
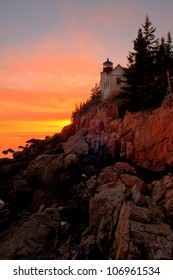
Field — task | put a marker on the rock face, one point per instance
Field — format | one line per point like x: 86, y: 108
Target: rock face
x: 103, y: 189
x: 143, y: 136
x: 126, y: 222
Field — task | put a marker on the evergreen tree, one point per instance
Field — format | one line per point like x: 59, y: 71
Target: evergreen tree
x: 151, y: 50
x: 142, y: 69
x: 96, y: 91
x: 149, y: 35
x: 134, y: 73
x: 164, y: 65
x: 169, y: 60
x: 161, y: 81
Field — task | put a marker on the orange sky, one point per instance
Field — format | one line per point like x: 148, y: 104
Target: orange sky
x: 39, y: 91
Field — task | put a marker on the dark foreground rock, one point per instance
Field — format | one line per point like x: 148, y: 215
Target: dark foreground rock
x: 57, y: 209
x: 32, y: 238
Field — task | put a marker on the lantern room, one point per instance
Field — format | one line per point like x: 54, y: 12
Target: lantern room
x: 107, y: 66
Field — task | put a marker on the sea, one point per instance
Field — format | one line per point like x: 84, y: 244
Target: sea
x: 15, y: 140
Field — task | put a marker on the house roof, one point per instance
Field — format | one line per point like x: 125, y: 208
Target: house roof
x: 118, y: 69
x: 118, y: 66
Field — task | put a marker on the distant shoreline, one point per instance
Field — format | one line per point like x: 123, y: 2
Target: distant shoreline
x: 14, y: 140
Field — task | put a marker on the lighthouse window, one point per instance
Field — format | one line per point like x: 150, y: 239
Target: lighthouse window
x: 118, y: 80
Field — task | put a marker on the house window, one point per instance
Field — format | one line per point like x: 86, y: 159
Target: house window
x: 118, y: 80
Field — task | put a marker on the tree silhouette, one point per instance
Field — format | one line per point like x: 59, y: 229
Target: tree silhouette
x: 148, y: 66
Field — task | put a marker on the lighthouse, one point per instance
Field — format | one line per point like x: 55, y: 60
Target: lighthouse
x: 111, y: 80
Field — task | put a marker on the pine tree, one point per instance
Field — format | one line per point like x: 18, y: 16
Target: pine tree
x: 164, y: 66
x: 169, y: 60
x: 149, y: 35
x: 151, y: 49
x: 142, y: 68
x: 161, y: 81
x: 134, y: 73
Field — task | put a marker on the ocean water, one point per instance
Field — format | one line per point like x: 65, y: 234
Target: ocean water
x: 14, y: 140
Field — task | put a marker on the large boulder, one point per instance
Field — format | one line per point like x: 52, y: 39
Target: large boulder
x: 30, y: 239
x: 52, y: 170
x: 67, y: 132
x: 77, y: 145
x: 20, y: 193
x: 142, y: 234
x: 162, y: 195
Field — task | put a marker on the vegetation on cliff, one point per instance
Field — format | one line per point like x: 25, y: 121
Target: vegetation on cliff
x: 95, y: 99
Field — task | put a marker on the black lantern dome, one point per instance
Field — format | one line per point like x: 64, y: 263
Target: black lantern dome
x: 107, y: 66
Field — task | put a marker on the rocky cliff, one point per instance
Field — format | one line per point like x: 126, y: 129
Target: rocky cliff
x: 143, y: 136
x: 102, y: 189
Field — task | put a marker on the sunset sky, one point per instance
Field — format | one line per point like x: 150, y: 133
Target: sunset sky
x: 51, y: 55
